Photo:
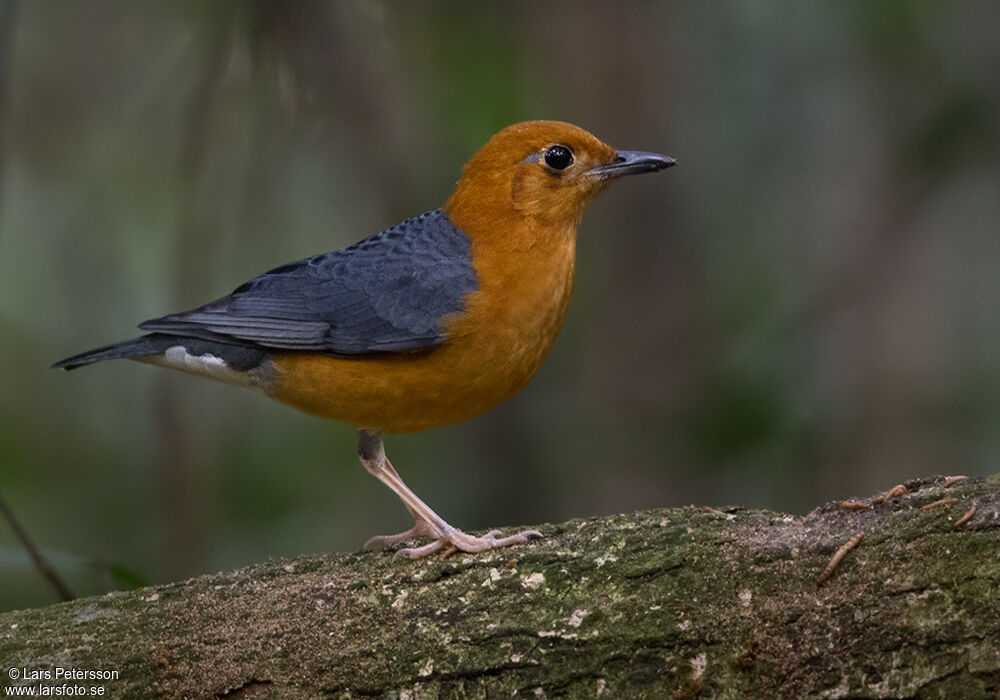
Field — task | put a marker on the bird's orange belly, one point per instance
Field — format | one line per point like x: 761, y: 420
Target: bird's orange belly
x: 482, y: 364
x: 405, y: 394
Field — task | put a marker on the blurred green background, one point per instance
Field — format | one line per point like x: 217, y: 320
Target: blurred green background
x: 807, y: 308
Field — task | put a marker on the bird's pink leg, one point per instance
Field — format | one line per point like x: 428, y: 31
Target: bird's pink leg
x: 426, y: 523
x: 420, y: 527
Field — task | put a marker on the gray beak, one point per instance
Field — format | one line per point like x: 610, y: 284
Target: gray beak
x: 633, y: 163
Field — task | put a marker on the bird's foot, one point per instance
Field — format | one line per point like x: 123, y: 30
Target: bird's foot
x: 426, y: 523
x: 458, y: 541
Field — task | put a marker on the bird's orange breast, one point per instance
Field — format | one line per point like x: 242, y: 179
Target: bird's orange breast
x: 493, y: 347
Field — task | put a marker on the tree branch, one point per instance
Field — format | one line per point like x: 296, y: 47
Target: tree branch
x: 676, y: 602
x: 39, y: 561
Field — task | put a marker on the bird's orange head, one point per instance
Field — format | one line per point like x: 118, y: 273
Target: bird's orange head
x: 543, y: 170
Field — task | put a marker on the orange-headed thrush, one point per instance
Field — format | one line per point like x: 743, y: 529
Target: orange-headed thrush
x: 429, y: 322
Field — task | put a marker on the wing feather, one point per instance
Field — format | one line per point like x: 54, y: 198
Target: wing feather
x: 387, y: 293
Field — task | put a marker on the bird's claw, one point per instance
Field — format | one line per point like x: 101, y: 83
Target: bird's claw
x: 458, y: 541
x: 419, y: 529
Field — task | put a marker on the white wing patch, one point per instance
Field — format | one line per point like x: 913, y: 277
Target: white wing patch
x: 206, y: 365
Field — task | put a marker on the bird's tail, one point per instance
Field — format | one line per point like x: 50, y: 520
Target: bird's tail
x: 152, y: 344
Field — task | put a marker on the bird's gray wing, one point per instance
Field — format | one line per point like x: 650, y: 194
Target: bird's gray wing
x: 385, y: 294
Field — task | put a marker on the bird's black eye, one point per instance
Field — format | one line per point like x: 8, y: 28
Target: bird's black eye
x: 558, y: 157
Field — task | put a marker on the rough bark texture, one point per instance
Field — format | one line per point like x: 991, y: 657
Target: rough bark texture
x: 681, y: 603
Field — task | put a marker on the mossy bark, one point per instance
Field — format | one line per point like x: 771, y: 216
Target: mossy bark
x: 684, y: 602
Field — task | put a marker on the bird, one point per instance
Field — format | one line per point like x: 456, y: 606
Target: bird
x: 427, y: 323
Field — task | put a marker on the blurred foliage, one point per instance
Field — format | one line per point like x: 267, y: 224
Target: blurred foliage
x: 804, y: 309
